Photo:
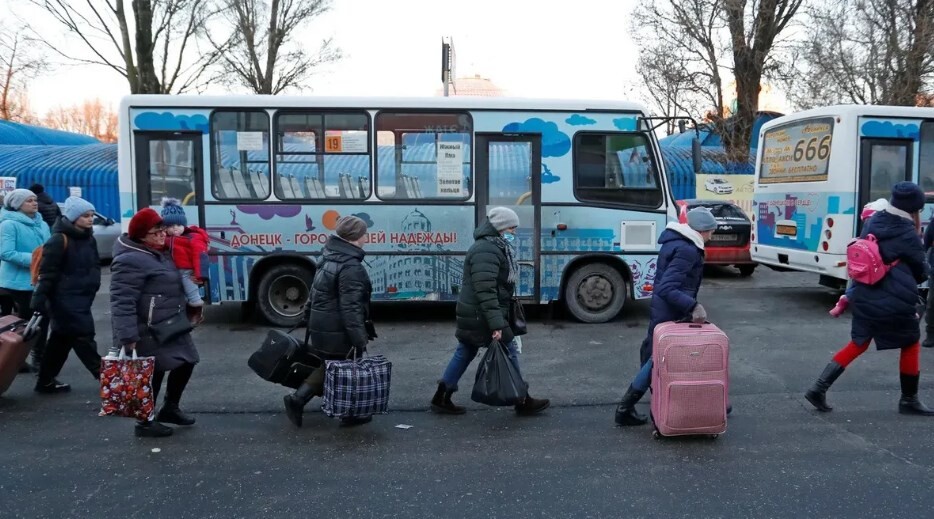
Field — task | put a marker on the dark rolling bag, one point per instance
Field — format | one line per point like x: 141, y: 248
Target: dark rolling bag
x: 282, y: 359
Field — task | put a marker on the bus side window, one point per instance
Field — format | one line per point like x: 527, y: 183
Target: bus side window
x: 316, y: 154
x: 240, y: 158
x: 424, y: 156
x: 615, y: 168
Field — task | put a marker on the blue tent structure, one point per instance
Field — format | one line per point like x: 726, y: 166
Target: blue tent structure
x: 92, y: 167
x: 12, y: 133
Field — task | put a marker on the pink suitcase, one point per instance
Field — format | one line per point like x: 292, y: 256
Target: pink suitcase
x: 690, y: 379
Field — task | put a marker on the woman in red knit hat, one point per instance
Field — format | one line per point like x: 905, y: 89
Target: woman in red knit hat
x: 146, y: 287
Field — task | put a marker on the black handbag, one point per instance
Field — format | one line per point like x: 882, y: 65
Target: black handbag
x: 170, y: 329
x: 498, y: 381
x: 517, y: 320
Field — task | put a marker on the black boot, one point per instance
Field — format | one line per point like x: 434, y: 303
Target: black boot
x: 170, y: 413
x: 52, y: 386
x: 626, y: 411
x: 295, y: 403
x: 152, y: 430
x: 817, y: 395
x: 441, y: 402
x: 909, y: 403
x: 531, y: 406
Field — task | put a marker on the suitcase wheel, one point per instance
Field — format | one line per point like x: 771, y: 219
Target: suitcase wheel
x: 657, y: 435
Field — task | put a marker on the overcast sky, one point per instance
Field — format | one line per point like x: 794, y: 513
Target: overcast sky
x: 531, y: 48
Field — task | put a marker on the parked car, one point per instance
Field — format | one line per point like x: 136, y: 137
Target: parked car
x: 106, y: 232
x: 729, y: 244
x: 718, y: 185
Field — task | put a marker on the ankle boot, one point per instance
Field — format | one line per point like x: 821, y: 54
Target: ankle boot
x: 909, y: 403
x: 817, y: 395
x: 51, y: 386
x: 531, y: 406
x: 441, y: 402
x: 152, y: 430
x: 170, y: 413
x: 295, y: 403
x: 626, y: 411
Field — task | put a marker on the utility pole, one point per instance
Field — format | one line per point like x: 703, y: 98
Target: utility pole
x: 447, y: 63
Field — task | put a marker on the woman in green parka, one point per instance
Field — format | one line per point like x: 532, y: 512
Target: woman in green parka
x: 491, y: 273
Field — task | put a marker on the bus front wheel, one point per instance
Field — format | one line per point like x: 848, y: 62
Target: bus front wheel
x: 595, y: 293
x: 281, y: 293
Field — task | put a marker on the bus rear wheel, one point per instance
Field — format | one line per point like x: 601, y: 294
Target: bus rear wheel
x: 595, y: 293
x: 281, y: 293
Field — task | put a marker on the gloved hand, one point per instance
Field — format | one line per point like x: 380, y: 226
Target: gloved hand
x: 38, y: 303
x: 699, y: 315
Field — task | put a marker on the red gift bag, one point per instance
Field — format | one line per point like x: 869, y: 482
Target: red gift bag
x: 126, y: 386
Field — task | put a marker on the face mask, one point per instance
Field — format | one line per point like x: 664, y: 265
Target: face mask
x: 509, y: 237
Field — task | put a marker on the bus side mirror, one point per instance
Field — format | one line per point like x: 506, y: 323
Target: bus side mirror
x: 682, y: 125
x: 696, y: 155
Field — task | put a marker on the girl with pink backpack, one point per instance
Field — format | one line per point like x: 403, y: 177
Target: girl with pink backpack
x: 885, y: 312
x: 868, y: 210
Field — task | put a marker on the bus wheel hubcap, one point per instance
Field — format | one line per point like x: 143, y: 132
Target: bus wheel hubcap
x: 287, y: 294
x: 595, y: 292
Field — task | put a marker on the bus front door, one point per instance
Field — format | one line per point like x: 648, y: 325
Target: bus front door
x: 169, y: 165
x: 508, y: 170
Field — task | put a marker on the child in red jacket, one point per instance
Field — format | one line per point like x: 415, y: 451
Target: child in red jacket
x: 189, y: 246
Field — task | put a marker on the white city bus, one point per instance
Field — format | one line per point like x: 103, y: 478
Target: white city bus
x: 268, y: 177
x: 816, y: 169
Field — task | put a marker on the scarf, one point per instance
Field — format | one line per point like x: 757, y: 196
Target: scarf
x: 510, y: 250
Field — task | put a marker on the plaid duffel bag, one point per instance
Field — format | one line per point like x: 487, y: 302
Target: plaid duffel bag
x: 357, y: 388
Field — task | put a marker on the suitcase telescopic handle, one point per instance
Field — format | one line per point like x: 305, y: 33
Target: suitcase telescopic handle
x: 33, y: 326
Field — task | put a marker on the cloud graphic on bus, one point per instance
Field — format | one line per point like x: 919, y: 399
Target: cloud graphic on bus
x: 366, y: 219
x: 887, y: 129
x: 547, y: 176
x: 171, y: 122
x: 626, y: 124
x: 579, y: 120
x: 267, y: 212
x: 555, y: 143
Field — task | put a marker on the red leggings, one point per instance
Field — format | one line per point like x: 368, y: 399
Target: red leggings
x: 909, y: 362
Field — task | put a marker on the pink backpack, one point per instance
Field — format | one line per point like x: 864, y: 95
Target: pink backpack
x: 864, y: 261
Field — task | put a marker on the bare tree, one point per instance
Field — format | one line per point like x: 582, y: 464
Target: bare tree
x: 153, y: 44
x: 262, y: 52
x: 90, y: 117
x: 19, y: 62
x: 683, y: 52
x: 857, y: 51
x: 713, y: 38
x: 753, y: 30
x: 668, y: 84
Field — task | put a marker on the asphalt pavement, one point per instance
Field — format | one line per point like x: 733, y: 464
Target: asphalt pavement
x: 778, y: 458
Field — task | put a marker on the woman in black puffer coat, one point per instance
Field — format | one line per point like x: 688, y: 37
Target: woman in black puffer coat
x: 69, y: 278
x: 491, y: 273
x: 886, y: 312
x: 338, y: 311
x: 146, y: 287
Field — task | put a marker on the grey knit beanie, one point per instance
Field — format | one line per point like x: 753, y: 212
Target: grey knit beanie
x: 503, y: 218
x: 14, y: 199
x: 701, y: 219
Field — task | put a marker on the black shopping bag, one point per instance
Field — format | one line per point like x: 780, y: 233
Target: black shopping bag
x: 498, y: 381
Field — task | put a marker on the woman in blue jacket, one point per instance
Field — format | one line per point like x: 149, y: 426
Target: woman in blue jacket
x: 22, y: 231
x: 887, y: 311
x: 677, y: 281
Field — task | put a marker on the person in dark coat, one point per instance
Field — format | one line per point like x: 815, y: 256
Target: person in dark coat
x: 146, y: 287
x: 886, y: 312
x: 338, y: 312
x: 677, y: 281
x: 928, y: 243
x: 49, y: 210
x: 491, y: 273
x: 69, y: 278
